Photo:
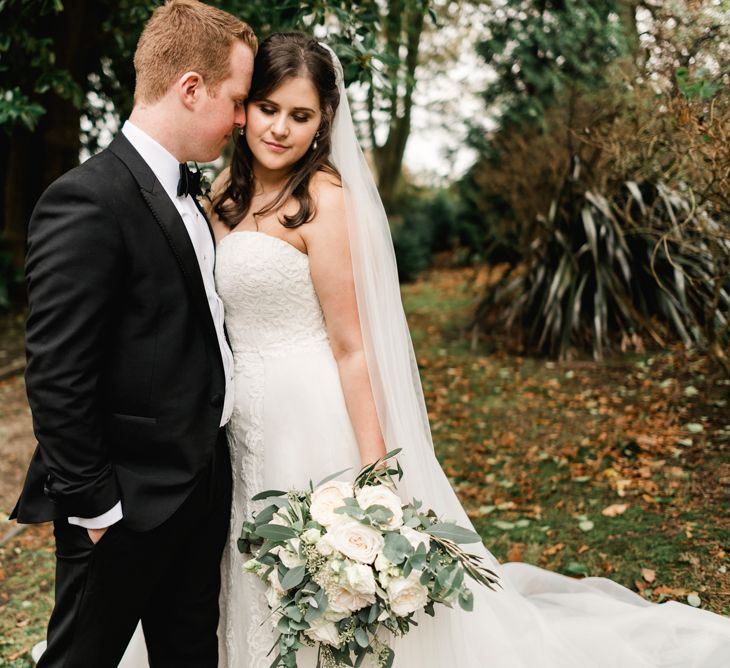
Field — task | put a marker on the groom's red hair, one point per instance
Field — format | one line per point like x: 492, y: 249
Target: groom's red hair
x: 183, y: 36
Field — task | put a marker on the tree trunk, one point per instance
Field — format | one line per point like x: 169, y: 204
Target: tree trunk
x: 389, y: 156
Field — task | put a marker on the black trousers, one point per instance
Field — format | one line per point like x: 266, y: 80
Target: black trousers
x: 168, y: 577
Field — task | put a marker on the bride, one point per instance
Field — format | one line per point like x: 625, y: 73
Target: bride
x: 326, y: 378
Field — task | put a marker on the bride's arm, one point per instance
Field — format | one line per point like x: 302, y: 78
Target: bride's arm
x: 331, y: 269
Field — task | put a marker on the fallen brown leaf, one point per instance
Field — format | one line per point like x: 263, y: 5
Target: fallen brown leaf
x: 615, y: 509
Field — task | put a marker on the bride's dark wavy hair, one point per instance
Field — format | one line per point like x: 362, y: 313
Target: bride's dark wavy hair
x: 280, y: 57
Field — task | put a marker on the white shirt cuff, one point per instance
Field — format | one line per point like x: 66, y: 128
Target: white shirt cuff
x: 111, y: 516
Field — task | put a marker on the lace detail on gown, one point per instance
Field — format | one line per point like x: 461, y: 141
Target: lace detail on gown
x: 271, y: 311
x: 271, y: 306
x: 246, y: 460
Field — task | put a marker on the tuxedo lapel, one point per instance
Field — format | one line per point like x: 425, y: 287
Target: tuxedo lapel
x: 172, y: 225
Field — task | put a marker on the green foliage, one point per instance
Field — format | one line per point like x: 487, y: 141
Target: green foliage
x: 28, y: 63
x: 430, y: 223
x: 35, y: 63
x: 15, y: 107
x: 697, y: 86
x: 485, y: 221
x: 591, y: 281
x: 412, y: 251
x: 539, y: 49
x: 354, y: 39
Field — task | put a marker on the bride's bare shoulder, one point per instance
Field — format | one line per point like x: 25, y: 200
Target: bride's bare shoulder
x: 326, y: 190
x: 326, y: 233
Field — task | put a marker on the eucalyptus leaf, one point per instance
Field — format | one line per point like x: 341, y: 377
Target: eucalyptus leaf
x: 265, y: 548
x: 265, y: 516
x: 276, y: 532
x: 396, y: 548
x: 466, y: 600
x: 361, y: 637
x: 293, y: 612
x: 312, y: 614
x: 454, y: 533
x: 333, y: 476
x: 293, y: 577
x: 266, y: 494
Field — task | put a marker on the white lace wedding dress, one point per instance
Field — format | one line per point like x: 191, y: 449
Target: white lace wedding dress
x: 290, y: 425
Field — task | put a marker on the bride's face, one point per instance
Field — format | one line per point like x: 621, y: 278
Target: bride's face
x: 280, y: 129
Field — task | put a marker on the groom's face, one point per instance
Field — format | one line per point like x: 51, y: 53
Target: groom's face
x: 219, y: 114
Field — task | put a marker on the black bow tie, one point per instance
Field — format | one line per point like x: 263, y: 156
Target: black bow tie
x: 189, y: 183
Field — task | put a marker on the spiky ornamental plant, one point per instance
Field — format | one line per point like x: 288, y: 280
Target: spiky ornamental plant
x: 592, y: 281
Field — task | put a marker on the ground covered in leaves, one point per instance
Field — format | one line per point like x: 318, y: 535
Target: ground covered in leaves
x: 619, y: 469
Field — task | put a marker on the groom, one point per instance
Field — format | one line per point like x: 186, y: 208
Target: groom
x: 129, y: 373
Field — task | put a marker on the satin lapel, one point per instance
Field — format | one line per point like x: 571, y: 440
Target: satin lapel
x: 172, y: 225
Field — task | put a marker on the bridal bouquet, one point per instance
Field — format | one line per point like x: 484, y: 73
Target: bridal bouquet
x: 345, y: 564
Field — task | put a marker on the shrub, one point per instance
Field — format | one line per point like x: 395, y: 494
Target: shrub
x: 620, y: 212
x: 425, y: 226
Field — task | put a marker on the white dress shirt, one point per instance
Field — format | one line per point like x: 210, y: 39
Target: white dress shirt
x: 167, y: 170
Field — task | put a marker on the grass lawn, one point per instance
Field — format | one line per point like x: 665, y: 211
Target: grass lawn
x: 619, y: 469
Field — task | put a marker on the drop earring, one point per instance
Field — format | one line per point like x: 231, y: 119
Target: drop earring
x: 314, y: 143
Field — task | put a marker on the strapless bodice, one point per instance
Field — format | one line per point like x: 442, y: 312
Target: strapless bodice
x: 270, y: 304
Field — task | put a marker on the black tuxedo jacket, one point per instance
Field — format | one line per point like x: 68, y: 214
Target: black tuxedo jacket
x: 124, y: 378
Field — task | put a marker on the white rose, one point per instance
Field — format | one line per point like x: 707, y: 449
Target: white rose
x: 289, y: 554
x: 406, y: 595
x: 325, y: 546
x: 324, y: 631
x: 380, y: 495
x: 415, y: 538
x: 357, y: 541
x: 311, y: 536
x: 342, y: 599
x: 291, y: 559
x: 326, y: 498
x: 359, y: 579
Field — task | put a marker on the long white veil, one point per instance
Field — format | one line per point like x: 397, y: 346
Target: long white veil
x: 538, y: 619
x: 391, y: 361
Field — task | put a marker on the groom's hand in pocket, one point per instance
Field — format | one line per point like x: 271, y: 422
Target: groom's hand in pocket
x: 96, y: 534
